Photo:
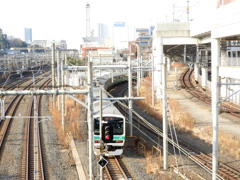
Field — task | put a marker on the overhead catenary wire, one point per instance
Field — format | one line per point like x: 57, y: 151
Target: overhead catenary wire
x: 171, y: 141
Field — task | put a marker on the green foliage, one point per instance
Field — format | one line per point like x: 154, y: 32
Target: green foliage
x: 4, y: 44
x: 77, y: 62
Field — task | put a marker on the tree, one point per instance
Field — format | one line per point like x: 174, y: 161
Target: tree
x: 4, y: 44
x: 16, y: 42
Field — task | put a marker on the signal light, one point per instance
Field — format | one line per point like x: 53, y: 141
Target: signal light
x: 107, y: 135
x: 96, y: 141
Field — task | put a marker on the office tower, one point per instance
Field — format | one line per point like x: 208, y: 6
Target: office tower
x: 28, y: 35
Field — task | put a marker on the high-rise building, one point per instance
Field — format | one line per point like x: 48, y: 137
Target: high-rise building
x: 28, y: 35
x: 103, y: 31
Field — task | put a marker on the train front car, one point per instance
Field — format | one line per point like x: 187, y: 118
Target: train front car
x: 113, y: 130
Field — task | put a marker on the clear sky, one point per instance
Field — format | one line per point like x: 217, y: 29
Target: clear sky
x: 66, y: 19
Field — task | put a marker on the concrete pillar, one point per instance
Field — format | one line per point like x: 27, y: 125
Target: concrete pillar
x: 164, y: 116
x: 224, y: 58
x: 223, y: 89
x: 168, y: 64
x: 130, y: 95
x: 157, y: 61
x: 185, y: 54
x: 196, y: 71
x: 53, y: 73
x: 197, y: 64
x: 204, y: 77
x: 215, y: 46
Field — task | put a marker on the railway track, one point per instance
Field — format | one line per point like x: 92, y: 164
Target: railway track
x: 190, y: 84
x: 204, y: 161
x: 33, y: 163
x: 115, y: 169
x: 10, y: 110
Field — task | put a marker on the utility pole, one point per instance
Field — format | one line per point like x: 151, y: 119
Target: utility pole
x: 58, y: 76
x: 185, y: 54
x: 90, y: 119
x: 164, y: 115
x: 138, y: 77
x: 63, y: 96
x: 130, y: 95
x: 215, y: 45
x: 153, y: 103
x: 100, y: 134
x: 53, y: 73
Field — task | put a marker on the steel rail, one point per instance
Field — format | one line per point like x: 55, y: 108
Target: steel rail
x: 114, y: 169
x: 30, y: 151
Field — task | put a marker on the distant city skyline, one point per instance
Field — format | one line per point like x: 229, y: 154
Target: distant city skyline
x: 58, y: 19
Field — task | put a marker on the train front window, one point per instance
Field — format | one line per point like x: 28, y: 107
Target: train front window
x: 117, y: 124
x: 118, y: 128
x: 96, y: 127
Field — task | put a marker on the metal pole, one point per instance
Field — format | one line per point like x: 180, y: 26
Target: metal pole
x: 138, y: 77
x: 90, y: 119
x: 112, y: 76
x: 66, y: 72
x: 153, y: 103
x: 164, y: 111
x: 141, y: 70
x: 58, y: 76
x: 196, y: 65
x: 176, y: 76
x: 215, y: 105
x: 185, y: 49
x: 35, y: 144
x: 100, y: 61
x: 100, y: 134
x: 63, y: 96
x: 53, y: 72
x: 130, y: 95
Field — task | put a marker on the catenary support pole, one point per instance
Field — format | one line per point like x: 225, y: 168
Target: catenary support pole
x: 215, y: 45
x: 138, y: 77
x: 185, y: 54
x: 58, y: 76
x: 53, y: 73
x: 63, y: 96
x: 152, y: 57
x: 196, y: 65
x: 90, y: 119
x: 164, y: 115
x: 130, y: 95
x: 100, y: 134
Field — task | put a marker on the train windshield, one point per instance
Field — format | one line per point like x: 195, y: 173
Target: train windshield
x: 117, y: 124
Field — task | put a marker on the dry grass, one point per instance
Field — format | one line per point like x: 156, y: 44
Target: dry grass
x: 72, y: 118
x: 183, y: 121
x: 176, y: 64
x: 228, y: 144
x: 153, y: 163
x: 146, y: 92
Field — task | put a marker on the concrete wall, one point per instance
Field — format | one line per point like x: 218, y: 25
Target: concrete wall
x: 173, y: 29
